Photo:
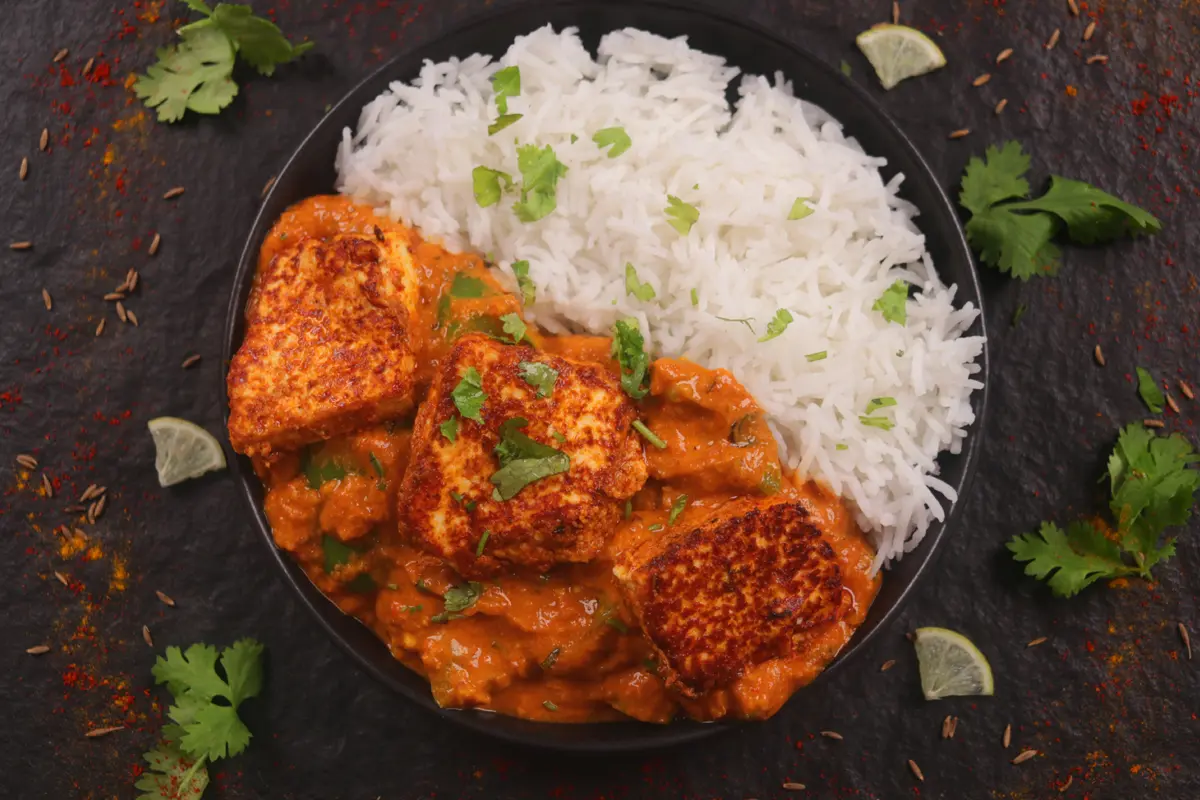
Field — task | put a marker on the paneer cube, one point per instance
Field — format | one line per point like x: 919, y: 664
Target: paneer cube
x: 327, y: 347
x: 529, y: 467
x: 738, y: 590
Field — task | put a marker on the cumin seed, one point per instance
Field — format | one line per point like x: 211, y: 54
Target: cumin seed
x: 960, y: 133
x: 44, y: 141
x: 164, y: 598
x: 171, y: 194
x: 1186, y: 390
x: 27, y: 461
x: 114, y: 296
x: 1073, y: 8
x: 79, y: 532
x: 946, y: 727
x: 916, y: 770
x: 100, y: 328
x: 982, y: 79
x: 1172, y: 404
x: 1037, y: 641
x: 1098, y: 59
x: 1066, y: 785
x: 99, y: 506
x: 887, y: 665
x: 60, y: 55
x: 1053, y: 40
x: 953, y: 726
x: 21, y: 246
x: 89, y: 493
x: 1099, y: 354
x: 121, y: 312
x: 1187, y: 640
x: 23, y: 172
x: 154, y: 243
x: 37, y: 649
x: 1024, y: 756
x: 1004, y: 55
x: 131, y: 279
x: 92, y: 734
x: 794, y: 787
x: 832, y: 735
x: 74, y: 509
x: 46, y: 299
x: 895, y: 12
x: 146, y: 636
x: 1089, y: 31
x: 1001, y: 105
x: 1153, y: 423
x: 87, y: 68
x: 190, y: 362
x: 267, y: 186
x: 47, y: 485
x: 132, y: 318
x: 61, y: 578
x: 1007, y: 740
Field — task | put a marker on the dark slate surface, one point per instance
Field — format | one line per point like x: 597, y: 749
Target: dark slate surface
x: 1110, y: 699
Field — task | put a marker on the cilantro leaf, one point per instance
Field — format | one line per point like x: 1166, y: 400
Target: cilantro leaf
x: 540, y: 376
x: 469, y: 395
x: 777, y: 325
x: 194, y: 75
x: 192, y: 672
x: 460, y: 598
x: 695, y: 297
x: 677, y: 508
x: 320, y: 470
x: 506, y: 83
x: 1071, y: 561
x: 681, y: 216
x: 819, y: 356
x: 242, y: 662
x: 617, y: 137
x: 170, y: 775
x: 998, y: 176
x: 520, y: 270
x: 523, y: 460
x: 634, y: 287
x: 467, y: 287
x: 514, y: 327
x: 485, y: 183
x: 880, y: 402
x: 800, y: 209
x: 876, y: 422
x: 216, y: 732
x: 1091, y: 215
x: 482, y: 543
x: 629, y: 350
x: 502, y: 122
x: 649, y: 435
x: 376, y: 465
x: 336, y: 553
x: 1019, y: 244
x: 449, y: 429
x: 540, y: 171
x: 256, y: 39
x: 198, y: 5
x: 1148, y: 390
x: 893, y: 303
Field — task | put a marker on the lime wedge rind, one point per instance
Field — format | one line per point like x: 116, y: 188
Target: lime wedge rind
x: 898, y: 52
x: 951, y: 665
x: 183, y: 450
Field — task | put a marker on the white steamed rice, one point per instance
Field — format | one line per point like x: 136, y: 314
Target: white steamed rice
x: 744, y: 166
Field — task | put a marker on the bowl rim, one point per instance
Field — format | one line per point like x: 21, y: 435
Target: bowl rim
x: 324, y: 610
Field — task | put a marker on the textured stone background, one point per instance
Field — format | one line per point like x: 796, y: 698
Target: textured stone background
x: 1109, y: 699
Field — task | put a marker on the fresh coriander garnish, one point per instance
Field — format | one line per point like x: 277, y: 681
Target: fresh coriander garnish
x: 628, y: 510
x: 449, y: 429
x: 523, y: 460
x: 422, y: 586
x: 777, y: 325
x: 648, y: 434
x: 558, y: 437
x: 695, y: 298
x: 467, y: 286
x: 197, y: 74
x: 1016, y: 237
x: 550, y: 706
x: 336, y: 552
x: 629, y: 350
x: 880, y: 402
x: 456, y: 496
x: 656, y: 527
x: 893, y: 303
x: 617, y: 137
x: 680, y: 215
x: 677, y: 508
x: 469, y: 395
x: 1016, y: 317
x: 458, y: 599
x: 502, y: 122
x: 1148, y: 390
x: 846, y: 69
x: 376, y: 465
x: 485, y: 182
x: 747, y: 321
x: 634, y: 287
x: 771, y: 482
x: 877, y: 422
x: 551, y: 658
x: 520, y: 270
x: 616, y: 622
x: 540, y: 171
x: 574, y: 138
x: 800, y: 209
x: 540, y: 376
x: 514, y: 327
x: 841, y: 447
x: 506, y: 83
x: 482, y: 543
x: 821, y: 356
x: 319, y: 470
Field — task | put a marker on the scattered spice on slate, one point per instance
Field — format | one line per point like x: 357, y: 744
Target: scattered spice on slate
x: 1099, y: 354
x: 832, y: 735
x: 1073, y: 8
x: 1024, y: 756
x: 1153, y: 423
x: 949, y: 726
x: 960, y: 133
x: 21, y: 246
x: 1037, y: 641
x: 46, y: 299
x: 1004, y: 55
x: 794, y: 787
x: 154, y: 243
x: 1098, y: 59
x: 114, y: 296
x: 132, y: 318
x: 60, y: 55
x: 37, y: 650
x: 982, y: 79
x: 23, y: 172
x: 190, y: 362
x: 887, y: 665
x: 1007, y: 740
x: 100, y: 328
x: 1053, y: 40
x: 895, y: 12
x: 916, y: 770
x: 89, y: 493
x: 27, y: 461
x: 131, y: 279
x: 1067, y: 785
x: 97, y: 508
x: 121, y: 312
x: 44, y: 141
x: 92, y: 734
x: 47, y: 485
x: 1089, y: 31
x: 87, y: 68
x: 1186, y: 390
x: 1171, y: 404
x: 267, y: 186
x: 61, y: 578
x: 1001, y: 105
x: 171, y: 194
x: 1187, y: 640
x: 164, y: 598
x: 146, y: 636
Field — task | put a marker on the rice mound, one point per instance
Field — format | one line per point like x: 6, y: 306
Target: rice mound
x: 743, y: 167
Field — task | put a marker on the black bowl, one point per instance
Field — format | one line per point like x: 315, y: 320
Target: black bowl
x: 311, y: 171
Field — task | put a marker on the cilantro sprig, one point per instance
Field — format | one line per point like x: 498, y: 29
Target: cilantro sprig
x: 1153, y: 486
x: 197, y: 74
x: 1014, y: 234
x: 523, y: 460
x: 629, y: 350
x: 207, y: 689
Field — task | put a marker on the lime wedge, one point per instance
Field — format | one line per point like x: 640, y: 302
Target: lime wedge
x: 950, y: 665
x: 898, y: 52
x: 183, y: 450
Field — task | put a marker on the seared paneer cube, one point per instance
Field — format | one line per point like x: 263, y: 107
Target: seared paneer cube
x: 740, y: 589
x: 327, y: 346
x: 519, y: 458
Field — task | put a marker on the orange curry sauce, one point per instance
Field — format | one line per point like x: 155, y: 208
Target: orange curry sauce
x: 558, y: 646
